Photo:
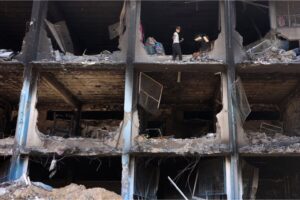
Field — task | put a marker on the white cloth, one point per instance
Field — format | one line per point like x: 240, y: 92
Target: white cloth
x: 175, y: 38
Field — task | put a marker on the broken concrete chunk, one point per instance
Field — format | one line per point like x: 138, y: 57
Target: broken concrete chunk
x: 6, y: 54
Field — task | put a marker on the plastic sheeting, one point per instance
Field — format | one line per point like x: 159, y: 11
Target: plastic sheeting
x: 150, y: 92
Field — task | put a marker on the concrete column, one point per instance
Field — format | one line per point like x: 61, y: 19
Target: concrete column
x: 232, y: 171
x: 128, y: 162
x: 18, y: 167
x: 272, y: 14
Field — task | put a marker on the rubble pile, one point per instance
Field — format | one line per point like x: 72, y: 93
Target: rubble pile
x: 77, y: 146
x: 6, y: 55
x: 72, y: 191
x: 260, y: 142
x: 186, y: 59
x: 204, y: 145
x: 104, y: 129
x: 6, y: 145
x: 104, y: 56
x: 272, y: 49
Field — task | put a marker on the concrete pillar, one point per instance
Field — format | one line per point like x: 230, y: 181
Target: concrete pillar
x: 272, y: 14
x: 232, y: 171
x: 18, y: 167
x: 128, y: 162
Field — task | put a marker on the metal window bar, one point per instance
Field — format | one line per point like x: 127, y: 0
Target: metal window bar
x: 288, y: 18
x: 149, y: 90
x: 271, y: 128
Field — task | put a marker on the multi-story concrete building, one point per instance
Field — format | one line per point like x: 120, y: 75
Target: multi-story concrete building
x: 88, y: 95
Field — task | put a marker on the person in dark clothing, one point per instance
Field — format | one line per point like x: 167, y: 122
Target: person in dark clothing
x: 176, y: 49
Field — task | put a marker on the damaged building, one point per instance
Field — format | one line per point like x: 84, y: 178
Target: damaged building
x: 92, y: 105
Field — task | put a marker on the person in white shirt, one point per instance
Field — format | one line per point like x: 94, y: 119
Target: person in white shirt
x: 176, y: 49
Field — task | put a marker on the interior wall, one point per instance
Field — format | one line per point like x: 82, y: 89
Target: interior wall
x: 90, y: 122
x: 291, y: 116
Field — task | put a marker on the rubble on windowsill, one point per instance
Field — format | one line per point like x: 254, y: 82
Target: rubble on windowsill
x: 37, y: 190
x: 6, y: 146
x: 261, y: 143
x: 274, y: 55
x: 75, y: 146
x: 104, y: 57
x: 206, y: 145
x: 7, y: 55
x: 186, y: 59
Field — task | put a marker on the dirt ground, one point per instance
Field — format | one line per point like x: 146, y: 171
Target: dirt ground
x: 70, y: 192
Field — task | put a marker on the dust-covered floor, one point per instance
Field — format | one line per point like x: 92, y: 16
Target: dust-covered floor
x: 204, y: 146
x: 69, y: 192
x: 262, y: 143
x: 75, y: 146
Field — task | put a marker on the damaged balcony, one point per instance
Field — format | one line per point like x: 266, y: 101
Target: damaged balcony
x: 270, y: 178
x: 180, y: 113
x: 78, y: 112
x: 194, y: 177
x: 14, y: 22
x: 77, y: 33
x: 11, y: 80
x: 200, y: 29
x: 267, y: 33
x: 271, y: 128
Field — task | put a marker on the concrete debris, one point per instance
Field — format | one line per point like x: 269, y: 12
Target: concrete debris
x: 72, y: 191
x: 104, y: 57
x: 6, y: 146
x: 272, y: 49
x: 186, y: 59
x: 104, y: 129
x: 205, y: 145
x: 6, y: 55
x: 43, y: 186
x: 262, y: 143
x: 75, y: 146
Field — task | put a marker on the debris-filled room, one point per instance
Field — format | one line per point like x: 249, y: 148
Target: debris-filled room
x: 195, y: 177
x: 134, y: 99
x: 267, y: 31
x: 88, y: 171
x: 79, y: 104
x: 272, y: 117
x: 196, y: 31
